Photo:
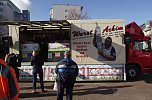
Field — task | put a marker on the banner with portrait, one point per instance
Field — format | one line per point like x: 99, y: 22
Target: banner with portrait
x: 98, y: 41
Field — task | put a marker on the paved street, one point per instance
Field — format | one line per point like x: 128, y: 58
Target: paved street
x: 137, y: 90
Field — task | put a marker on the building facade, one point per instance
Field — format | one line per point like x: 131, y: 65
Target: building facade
x: 10, y: 12
x: 24, y: 16
x: 147, y: 28
x: 65, y: 12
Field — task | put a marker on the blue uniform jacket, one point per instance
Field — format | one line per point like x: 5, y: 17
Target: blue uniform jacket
x: 66, y: 68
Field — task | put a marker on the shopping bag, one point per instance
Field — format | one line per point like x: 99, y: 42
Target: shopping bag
x: 55, y: 86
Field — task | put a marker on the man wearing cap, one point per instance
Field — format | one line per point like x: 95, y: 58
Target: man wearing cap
x: 67, y: 71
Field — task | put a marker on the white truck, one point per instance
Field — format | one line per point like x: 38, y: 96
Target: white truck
x: 84, y: 38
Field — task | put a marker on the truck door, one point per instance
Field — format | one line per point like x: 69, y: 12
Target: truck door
x: 142, y: 51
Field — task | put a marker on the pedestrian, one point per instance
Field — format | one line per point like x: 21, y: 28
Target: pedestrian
x: 67, y: 71
x: 11, y: 60
x: 9, y: 89
x: 37, y: 62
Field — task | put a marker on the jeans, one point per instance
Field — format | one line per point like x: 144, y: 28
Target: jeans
x: 40, y: 72
x: 61, y: 85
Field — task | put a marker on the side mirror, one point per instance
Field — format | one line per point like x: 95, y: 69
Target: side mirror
x: 127, y: 38
x: 7, y: 41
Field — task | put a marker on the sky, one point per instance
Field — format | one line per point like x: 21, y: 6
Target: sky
x: 128, y: 10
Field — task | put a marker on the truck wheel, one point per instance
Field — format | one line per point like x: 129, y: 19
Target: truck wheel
x: 132, y: 72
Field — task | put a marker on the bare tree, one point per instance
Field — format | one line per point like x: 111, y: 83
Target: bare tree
x: 75, y: 15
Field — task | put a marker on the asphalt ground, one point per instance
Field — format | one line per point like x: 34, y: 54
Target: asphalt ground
x: 130, y: 90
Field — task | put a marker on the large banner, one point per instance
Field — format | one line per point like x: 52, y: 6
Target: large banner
x: 98, y: 41
x: 86, y: 73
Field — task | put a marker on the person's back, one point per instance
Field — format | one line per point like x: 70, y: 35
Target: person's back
x: 67, y: 71
x: 11, y: 60
x: 9, y: 89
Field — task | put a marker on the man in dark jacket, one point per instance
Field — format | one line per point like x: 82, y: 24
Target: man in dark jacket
x: 9, y: 88
x: 67, y: 71
x: 12, y: 60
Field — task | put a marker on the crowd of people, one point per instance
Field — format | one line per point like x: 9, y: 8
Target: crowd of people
x: 66, y: 70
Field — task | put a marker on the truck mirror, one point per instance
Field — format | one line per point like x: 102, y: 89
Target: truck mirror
x: 127, y: 38
x: 7, y: 41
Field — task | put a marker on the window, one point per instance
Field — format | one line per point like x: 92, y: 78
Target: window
x: 142, y: 45
x: 1, y: 16
x: 1, y: 3
x: 1, y: 9
x: 9, y: 5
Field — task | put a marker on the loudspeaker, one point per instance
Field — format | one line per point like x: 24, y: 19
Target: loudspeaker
x: 7, y: 41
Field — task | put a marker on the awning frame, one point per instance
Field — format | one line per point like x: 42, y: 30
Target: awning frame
x: 53, y: 24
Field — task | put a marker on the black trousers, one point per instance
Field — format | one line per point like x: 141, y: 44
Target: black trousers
x: 40, y: 72
x: 68, y: 84
x: 17, y: 73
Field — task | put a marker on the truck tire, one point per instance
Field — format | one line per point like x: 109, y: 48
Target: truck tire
x: 132, y: 72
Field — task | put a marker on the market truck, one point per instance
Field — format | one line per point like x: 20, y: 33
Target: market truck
x: 84, y: 36
x: 130, y: 49
x: 138, y: 52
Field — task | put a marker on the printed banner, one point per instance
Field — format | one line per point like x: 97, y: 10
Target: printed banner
x: 86, y: 73
x: 98, y: 41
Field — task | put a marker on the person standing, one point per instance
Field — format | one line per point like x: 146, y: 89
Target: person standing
x: 9, y: 89
x: 67, y: 71
x: 11, y: 60
x: 37, y: 62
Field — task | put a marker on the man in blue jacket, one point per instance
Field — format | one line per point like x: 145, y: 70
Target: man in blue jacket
x: 67, y: 71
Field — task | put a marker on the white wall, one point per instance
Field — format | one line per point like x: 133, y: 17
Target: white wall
x: 61, y: 12
x: 14, y: 32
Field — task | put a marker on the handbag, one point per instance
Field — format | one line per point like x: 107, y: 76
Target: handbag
x: 55, y: 86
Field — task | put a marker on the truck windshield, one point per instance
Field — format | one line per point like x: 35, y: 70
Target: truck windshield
x: 142, y: 45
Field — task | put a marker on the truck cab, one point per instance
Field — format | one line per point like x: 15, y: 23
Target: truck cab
x: 138, y: 52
